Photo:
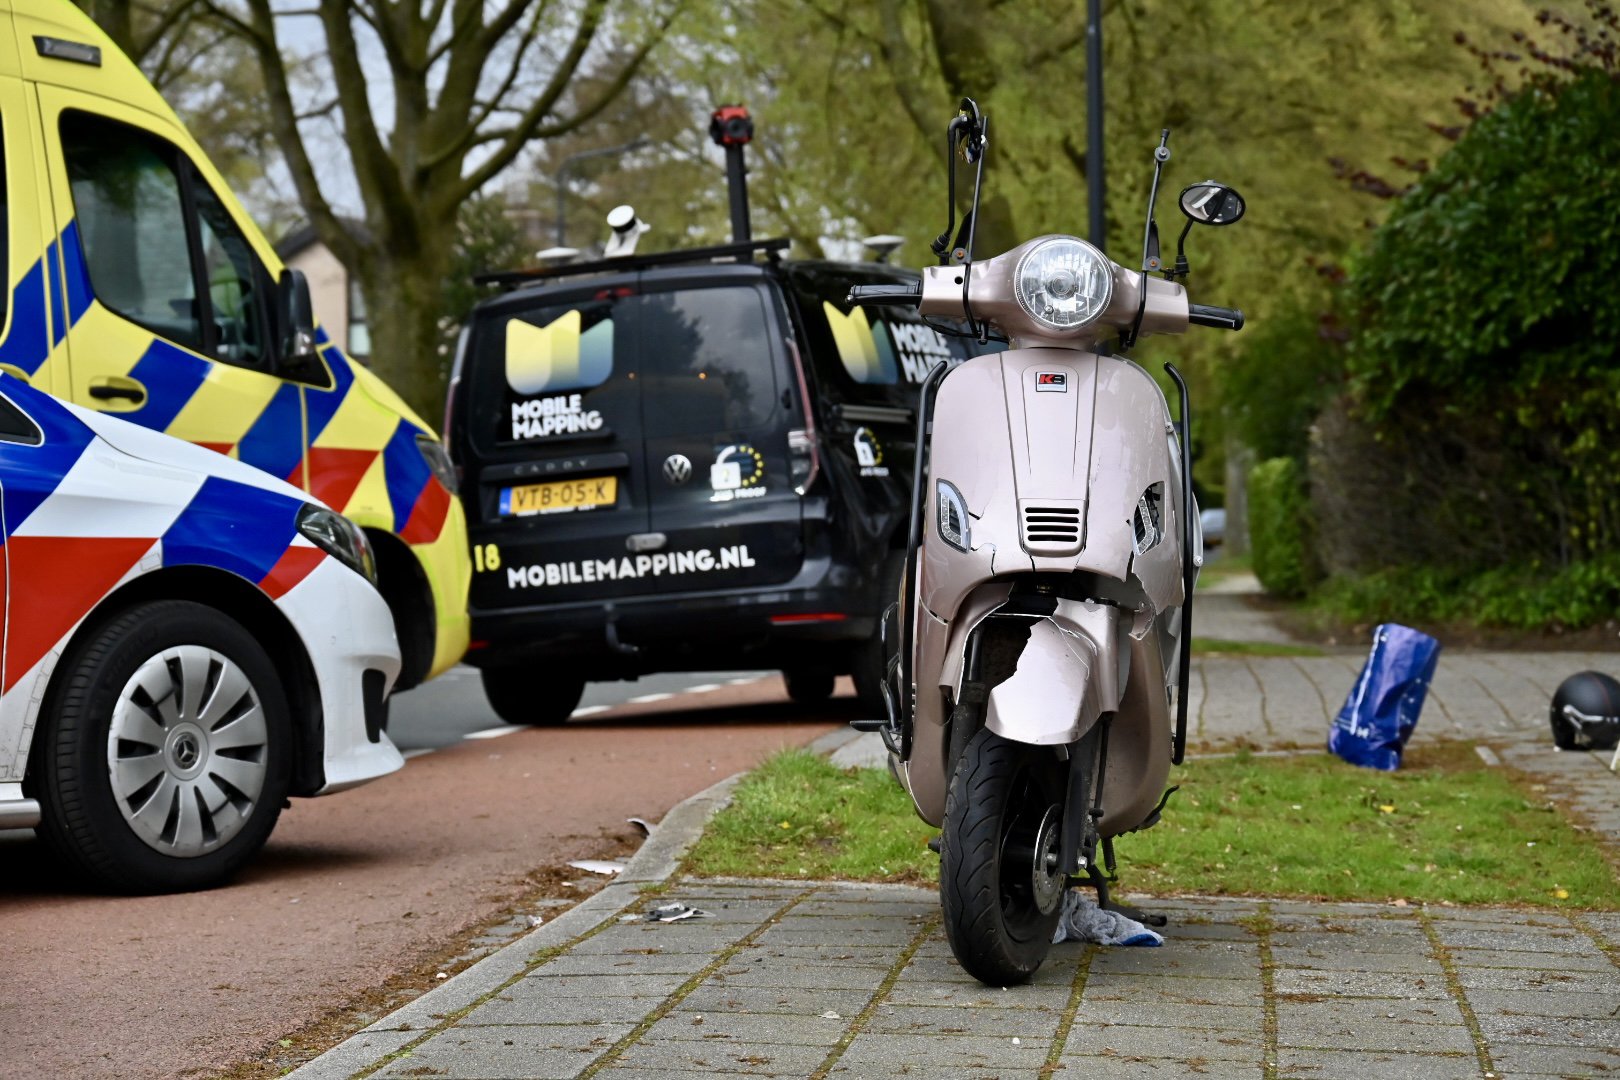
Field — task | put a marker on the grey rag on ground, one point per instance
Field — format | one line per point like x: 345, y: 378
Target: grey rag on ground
x: 1083, y: 920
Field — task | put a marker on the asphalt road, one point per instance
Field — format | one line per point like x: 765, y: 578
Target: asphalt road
x: 359, y: 886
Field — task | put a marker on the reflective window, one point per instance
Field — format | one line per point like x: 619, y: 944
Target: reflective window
x: 552, y: 373
x: 234, y: 294
x: 706, y: 361
x: 15, y: 425
x: 127, y: 197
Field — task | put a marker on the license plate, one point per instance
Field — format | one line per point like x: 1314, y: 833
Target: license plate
x: 559, y: 496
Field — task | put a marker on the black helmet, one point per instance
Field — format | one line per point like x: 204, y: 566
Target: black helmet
x: 1585, y: 712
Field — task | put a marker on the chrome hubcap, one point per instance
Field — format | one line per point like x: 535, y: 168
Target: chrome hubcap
x: 1046, y: 878
x: 187, y: 751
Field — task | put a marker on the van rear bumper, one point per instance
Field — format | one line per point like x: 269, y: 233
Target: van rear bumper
x: 766, y: 628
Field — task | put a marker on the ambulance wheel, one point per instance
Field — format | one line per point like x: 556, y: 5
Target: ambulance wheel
x: 167, y: 750
x: 999, y: 885
x: 809, y: 686
x: 531, y: 696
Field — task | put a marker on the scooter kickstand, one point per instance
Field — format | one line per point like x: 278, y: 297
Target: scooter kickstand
x: 1096, y: 880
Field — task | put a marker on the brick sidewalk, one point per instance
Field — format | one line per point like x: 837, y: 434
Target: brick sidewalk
x: 825, y: 979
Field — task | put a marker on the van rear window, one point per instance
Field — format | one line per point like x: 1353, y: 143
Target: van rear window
x: 550, y: 374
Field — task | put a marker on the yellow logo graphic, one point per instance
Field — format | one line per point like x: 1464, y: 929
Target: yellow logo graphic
x: 865, y: 350
x: 557, y: 356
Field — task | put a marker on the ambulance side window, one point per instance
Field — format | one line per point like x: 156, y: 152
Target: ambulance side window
x: 127, y: 197
x: 161, y: 248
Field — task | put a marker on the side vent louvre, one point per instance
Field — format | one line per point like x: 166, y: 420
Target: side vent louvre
x: 1051, y: 528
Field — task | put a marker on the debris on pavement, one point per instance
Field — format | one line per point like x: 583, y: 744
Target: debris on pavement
x: 1083, y: 920
x: 598, y: 866
x: 674, y: 911
x: 640, y: 823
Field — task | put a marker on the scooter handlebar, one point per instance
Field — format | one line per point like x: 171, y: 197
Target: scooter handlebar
x: 1221, y: 318
x: 906, y: 295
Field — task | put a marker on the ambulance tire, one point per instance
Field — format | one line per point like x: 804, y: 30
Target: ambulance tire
x: 212, y: 791
x: 525, y: 695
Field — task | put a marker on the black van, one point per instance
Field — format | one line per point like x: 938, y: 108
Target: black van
x: 684, y: 461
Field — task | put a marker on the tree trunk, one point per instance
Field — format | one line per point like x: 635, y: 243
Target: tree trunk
x: 1239, y: 460
x: 404, y: 299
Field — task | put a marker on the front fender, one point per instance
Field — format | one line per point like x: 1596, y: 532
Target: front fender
x: 1069, y: 674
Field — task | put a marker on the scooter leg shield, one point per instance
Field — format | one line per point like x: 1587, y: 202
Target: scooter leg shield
x: 1068, y: 675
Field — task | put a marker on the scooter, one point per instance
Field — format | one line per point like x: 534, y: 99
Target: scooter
x: 1038, y: 661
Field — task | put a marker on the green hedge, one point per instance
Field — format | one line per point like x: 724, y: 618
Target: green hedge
x: 1280, y: 540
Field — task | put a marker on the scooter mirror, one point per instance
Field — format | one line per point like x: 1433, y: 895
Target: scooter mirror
x: 1212, y: 203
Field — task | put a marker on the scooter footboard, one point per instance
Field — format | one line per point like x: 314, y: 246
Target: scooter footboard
x: 1070, y: 672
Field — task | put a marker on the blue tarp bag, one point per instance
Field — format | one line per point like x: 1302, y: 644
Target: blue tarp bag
x: 1381, y: 711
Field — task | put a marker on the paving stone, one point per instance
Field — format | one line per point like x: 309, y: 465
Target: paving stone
x: 1183, y: 929
x: 1132, y: 1041
x: 872, y: 1054
x: 1348, y: 959
x: 1220, y: 1017
x: 1145, y: 1068
x: 710, y: 998
x: 634, y: 964
x: 1387, y: 1013
x: 538, y: 1010
x: 837, y: 932
x: 1405, y: 940
x: 868, y: 909
x: 940, y: 969
x: 1477, y: 936
x: 1505, y: 958
x: 1569, y: 1031
x: 864, y: 955
x: 1053, y: 995
x: 501, y: 1053
x: 1548, y: 982
x: 1317, y: 1064
x: 1176, y: 990
x: 803, y: 975
x: 776, y: 1059
x: 1024, y: 1023
x: 543, y: 984
x: 748, y: 1028
x: 1310, y: 983
x: 1163, y: 961
x: 1562, y: 1003
x: 668, y: 938
x: 1564, y: 1060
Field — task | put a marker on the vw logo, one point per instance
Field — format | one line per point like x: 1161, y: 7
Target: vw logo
x: 677, y: 469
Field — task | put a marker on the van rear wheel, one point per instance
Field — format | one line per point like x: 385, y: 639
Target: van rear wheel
x: 809, y: 686
x: 531, y: 696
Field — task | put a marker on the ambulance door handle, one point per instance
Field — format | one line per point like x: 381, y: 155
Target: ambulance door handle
x: 117, y: 388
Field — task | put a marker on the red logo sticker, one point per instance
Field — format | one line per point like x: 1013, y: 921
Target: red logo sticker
x: 1052, y: 382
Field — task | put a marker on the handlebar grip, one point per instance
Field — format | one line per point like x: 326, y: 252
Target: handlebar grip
x: 906, y: 295
x: 1221, y: 318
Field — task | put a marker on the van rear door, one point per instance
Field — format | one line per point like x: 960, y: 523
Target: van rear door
x: 717, y: 403
x: 559, y: 493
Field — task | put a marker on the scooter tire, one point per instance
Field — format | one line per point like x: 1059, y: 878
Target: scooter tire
x: 999, y: 936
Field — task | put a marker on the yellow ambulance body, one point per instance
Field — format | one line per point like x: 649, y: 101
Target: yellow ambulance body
x: 138, y: 286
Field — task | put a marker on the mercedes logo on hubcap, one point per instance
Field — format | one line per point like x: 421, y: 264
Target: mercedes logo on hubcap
x: 186, y: 751
x: 677, y: 469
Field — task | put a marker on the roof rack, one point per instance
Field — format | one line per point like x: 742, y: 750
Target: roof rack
x: 741, y: 252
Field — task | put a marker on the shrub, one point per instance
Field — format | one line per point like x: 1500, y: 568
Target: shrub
x: 1280, y: 533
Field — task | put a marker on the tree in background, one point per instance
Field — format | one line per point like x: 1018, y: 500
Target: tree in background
x: 1482, y: 427
x: 434, y: 100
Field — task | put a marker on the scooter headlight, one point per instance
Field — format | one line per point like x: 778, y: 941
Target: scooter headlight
x: 953, y: 516
x: 1063, y: 283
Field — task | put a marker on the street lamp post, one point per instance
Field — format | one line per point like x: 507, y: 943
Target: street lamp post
x: 1094, y: 123
x: 567, y: 165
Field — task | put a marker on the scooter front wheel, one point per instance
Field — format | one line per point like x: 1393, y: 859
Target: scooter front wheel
x: 999, y: 882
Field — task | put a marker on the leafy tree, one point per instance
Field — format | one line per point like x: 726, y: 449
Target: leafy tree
x: 1485, y: 322
x: 435, y: 99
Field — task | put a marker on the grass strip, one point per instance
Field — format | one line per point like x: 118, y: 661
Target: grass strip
x: 857, y: 1025
x: 1262, y: 926
x: 1228, y: 647
x: 1454, y: 984
x: 1060, y: 1038
x: 1443, y: 829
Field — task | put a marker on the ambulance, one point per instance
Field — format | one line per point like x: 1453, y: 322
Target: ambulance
x: 138, y: 287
